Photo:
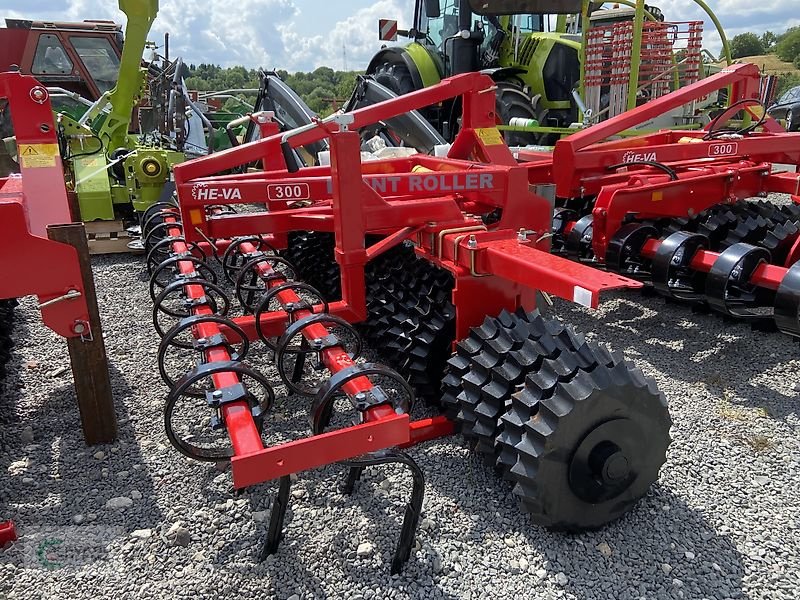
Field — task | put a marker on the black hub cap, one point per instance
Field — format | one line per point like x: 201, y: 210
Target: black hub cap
x: 604, y: 464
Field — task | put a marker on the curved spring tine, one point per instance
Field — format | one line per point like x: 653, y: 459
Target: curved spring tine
x: 276, y: 518
x: 413, y: 508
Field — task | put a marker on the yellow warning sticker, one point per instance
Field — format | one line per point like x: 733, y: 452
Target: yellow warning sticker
x: 490, y: 136
x: 34, y: 156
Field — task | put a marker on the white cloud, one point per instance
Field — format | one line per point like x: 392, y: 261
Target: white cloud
x: 356, y: 34
x: 304, y: 34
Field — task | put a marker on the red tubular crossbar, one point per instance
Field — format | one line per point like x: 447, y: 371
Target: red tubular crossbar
x: 237, y: 415
x: 252, y: 462
x: 765, y: 275
x: 583, y: 160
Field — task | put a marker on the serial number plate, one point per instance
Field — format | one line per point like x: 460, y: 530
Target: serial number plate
x: 724, y: 149
x: 288, y: 191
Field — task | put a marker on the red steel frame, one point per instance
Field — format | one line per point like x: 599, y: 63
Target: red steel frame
x: 707, y: 171
x: 31, y: 201
x: 426, y: 199
x: 433, y: 201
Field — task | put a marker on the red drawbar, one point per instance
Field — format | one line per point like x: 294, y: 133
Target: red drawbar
x: 8, y: 533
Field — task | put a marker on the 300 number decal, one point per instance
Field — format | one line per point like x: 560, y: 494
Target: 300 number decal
x: 288, y: 191
x: 725, y: 149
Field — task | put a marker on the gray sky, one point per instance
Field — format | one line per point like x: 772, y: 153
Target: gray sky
x: 300, y: 35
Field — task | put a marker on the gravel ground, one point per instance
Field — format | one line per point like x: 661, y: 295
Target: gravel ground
x: 137, y: 520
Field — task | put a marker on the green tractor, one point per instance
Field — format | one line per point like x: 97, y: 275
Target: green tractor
x: 523, y: 44
x: 111, y: 170
x: 536, y: 51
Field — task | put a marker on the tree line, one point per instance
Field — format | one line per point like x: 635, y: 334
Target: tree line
x: 785, y: 46
x: 323, y: 89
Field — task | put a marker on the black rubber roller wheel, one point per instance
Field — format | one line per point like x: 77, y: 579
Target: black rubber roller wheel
x: 492, y: 363
x: 591, y: 449
x: 580, y: 432
x: 411, y: 319
x: 312, y: 254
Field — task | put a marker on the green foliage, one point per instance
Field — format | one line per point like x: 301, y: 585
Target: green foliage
x: 323, y: 88
x: 788, y: 46
x: 320, y: 89
x: 786, y: 81
x: 746, y: 44
x: 768, y: 40
x: 797, y: 62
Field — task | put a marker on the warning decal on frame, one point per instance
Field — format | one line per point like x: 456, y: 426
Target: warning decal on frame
x: 33, y: 156
x: 490, y: 136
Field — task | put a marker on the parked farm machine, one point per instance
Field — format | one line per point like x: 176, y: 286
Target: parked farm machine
x: 43, y: 252
x: 436, y: 260
x: 559, y: 65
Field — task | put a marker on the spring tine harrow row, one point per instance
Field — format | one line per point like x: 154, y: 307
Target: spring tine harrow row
x: 297, y: 310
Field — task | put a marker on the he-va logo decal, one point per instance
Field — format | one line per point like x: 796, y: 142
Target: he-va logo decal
x: 201, y: 191
x: 631, y: 157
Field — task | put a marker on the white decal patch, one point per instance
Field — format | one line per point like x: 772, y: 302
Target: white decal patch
x: 582, y: 296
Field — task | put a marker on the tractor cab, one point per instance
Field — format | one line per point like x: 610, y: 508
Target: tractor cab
x: 470, y: 34
x: 75, y: 58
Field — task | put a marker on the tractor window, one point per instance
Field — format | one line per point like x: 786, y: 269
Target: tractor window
x: 99, y: 58
x: 528, y: 23
x: 444, y: 26
x: 50, y: 57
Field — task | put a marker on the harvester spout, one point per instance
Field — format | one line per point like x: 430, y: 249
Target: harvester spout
x: 140, y: 15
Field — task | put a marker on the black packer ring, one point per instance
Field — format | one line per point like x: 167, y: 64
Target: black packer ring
x: 151, y: 239
x: 787, y: 302
x: 202, y: 271
x: 259, y: 409
x: 323, y: 402
x: 201, y: 345
x: 672, y: 274
x: 579, y: 240
x: 164, y: 248
x: 231, y: 259
x: 293, y: 381
x: 561, y: 218
x: 219, y: 309
x: 156, y: 207
x: 624, y: 253
x: 152, y: 220
x: 295, y: 286
x: 246, y: 291
x: 729, y: 275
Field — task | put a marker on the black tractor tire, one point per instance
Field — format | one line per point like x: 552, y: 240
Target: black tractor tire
x: 512, y: 102
x: 6, y: 333
x: 395, y: 76
x: 579, y: 431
